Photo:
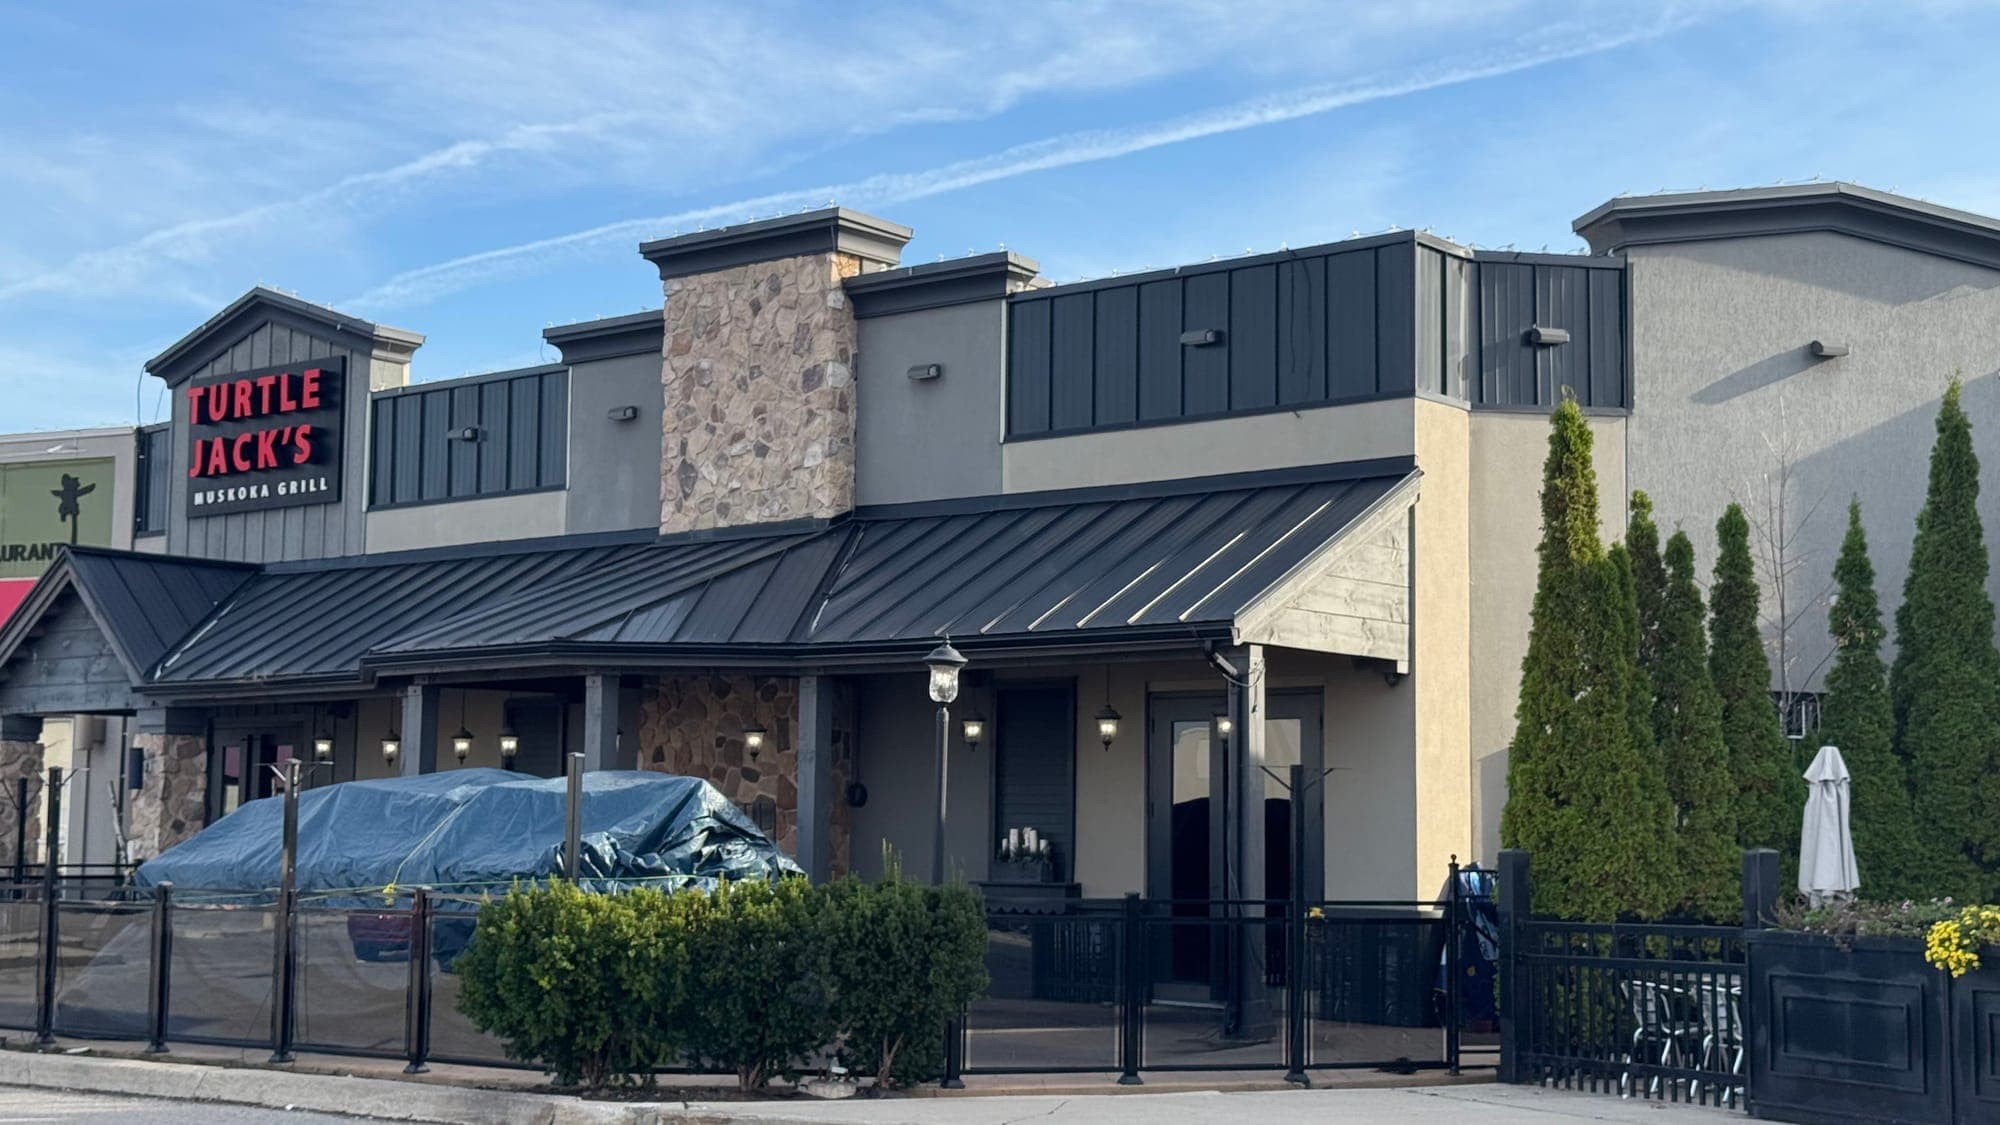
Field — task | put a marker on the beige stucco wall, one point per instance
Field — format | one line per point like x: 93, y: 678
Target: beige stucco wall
x: 1321, y: 435
x: 1505, y: 520
x: 1722, y: 376
x: 486, y: 520
x: 1442, y: 625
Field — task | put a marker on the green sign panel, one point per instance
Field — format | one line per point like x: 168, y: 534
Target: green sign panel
x: 46, y: 504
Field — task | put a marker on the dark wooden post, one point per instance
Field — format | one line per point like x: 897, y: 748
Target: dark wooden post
x: 1760, y: 887
x: 20, y: 832
x: 160, y: 982
x: 284, y: 961
x: 1513, y: 910
x: 572, y: 857
x: 45, y: 996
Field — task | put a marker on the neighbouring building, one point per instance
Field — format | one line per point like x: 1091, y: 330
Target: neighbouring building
x: 1190, y: 527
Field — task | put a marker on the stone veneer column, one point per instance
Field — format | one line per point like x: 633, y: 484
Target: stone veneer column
x: 758, y: 367
x: 693, y: 726
x: 172, y: 799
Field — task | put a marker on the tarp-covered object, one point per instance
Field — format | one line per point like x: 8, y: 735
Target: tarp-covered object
x: 471, y: 830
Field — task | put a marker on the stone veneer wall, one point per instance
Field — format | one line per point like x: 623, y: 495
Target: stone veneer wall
x: 694, y: 726
x: 759, y: 382
x: 18, y: 760
x: 173, y: 800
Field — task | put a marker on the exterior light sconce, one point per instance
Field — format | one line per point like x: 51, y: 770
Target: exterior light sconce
x: 1825, y: 349
x: 924, y: 372
x: 753, y: 738
x: 974, y: 729
x: 622, y: 413
x: 392, y: 745
x: 465, y: 433
x: 1201, y: 337
x: 322, y: 749
x: 1223, y: 726
x: 1543, y: 336
x: 461, y: 739
x: 1107, y: 715
x: 510, y: 745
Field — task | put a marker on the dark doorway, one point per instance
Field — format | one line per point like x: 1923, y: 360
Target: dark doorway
x: 1034, y: 767
x: 241, y: 764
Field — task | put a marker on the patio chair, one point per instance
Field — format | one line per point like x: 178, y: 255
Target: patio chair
x: 1720, y: 1008
x: 1662, y: 1035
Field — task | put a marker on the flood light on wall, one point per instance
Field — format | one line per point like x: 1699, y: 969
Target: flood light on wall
x: 1201, y: 337
x: 1543, y: 336
x: 1827, y: 349
x: 622, y: 413
x: 974, y: 729
x: 923, y: 372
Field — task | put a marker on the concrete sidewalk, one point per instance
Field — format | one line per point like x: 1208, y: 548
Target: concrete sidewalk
x: 396, y: 1100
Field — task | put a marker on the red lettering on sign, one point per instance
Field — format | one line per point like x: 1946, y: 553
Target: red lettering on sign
x: 242, y: 388
x: 286, y: 403
x: 309, y: 392
x: 239, y: 460
x: 302, y: 448
x: 218, y: 402
x: 267, y: 449
x: 264, y: 384
x: 218, y: 458
x: 194, y: 406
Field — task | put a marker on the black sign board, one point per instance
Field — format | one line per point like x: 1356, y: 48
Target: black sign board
x: 265, y: 439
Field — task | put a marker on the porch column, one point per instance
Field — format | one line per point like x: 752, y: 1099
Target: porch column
x: 171, y: 802
x: 20, y: 759
x: 600, y: 721
x: 815, y: 776
x: 420, y: 730
x: 1249, y: 997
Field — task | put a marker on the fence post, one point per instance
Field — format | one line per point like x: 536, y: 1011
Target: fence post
x: 159, y: 989
x: 1760, y: 887
x: 417, y: 1005
x: 573, y: 818
x: 1295, y: 935
x: 1453, y: 935
x: 1512, y: 906
x: 1131, y: 1010
x: 45, y: 996
x: 285, y: 962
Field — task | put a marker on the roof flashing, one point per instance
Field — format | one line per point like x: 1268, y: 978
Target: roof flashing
x: 830, y: 230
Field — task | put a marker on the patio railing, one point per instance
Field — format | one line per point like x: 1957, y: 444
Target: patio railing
x: 1119, y: 986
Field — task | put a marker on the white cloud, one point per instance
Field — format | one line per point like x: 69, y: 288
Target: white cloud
x: 433, y: 281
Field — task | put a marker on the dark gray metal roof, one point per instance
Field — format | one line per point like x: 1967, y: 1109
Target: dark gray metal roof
x: 1863, y: 212
x: 1094, y: 566
x: 143, y: 603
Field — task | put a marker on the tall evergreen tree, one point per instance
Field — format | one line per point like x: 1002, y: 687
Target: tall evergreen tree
x: 1857, y: 716
x: 1578, y: 795
x: 1649, y: 577
x: 1947, y: 671
x: 1770, y: 793
x: 1687, y: 728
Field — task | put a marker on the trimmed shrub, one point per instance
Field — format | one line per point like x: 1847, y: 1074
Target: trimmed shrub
x: 1649, y: 578
x: 1583, y: 793
x: 1858, y: 717
x: 906, y: 958
x: 757, y: 997
x: 1947, y: 673
x: 574, y: 981
x: 1770, y: 793
x: 1687, y: 730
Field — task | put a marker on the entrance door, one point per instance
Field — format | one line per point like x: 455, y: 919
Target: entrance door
x: 239, y: 766
x: 1187, y: 800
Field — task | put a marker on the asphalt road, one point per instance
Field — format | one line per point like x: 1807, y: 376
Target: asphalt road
x: 18, y: 1106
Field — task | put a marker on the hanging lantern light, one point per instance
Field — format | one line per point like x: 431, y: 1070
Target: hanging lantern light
x: 392, y: 745
x: 944, y: 662
x: 1223, y: 726
x: 1107, y: 715
x: 461, y: 739
x: 510, y: 745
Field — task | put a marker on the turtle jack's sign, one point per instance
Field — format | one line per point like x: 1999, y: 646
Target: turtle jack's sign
x: 265, y: 439
x: 45, y: 505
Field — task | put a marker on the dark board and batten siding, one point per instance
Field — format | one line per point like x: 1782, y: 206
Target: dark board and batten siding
x: 281, y: 534
x: 1587, y: 301
x: 1315, y: 328
x: 152, y: 492
x: 522, y: 422
x: 1302, y: 330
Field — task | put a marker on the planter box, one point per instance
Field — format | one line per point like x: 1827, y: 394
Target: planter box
x: 1869, y: 1033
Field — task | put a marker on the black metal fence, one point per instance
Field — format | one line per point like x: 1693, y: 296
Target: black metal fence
x: 1094, y: 986
x: 1647, y: 1010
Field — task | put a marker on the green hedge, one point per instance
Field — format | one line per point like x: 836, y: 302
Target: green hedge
x: 754, y: 979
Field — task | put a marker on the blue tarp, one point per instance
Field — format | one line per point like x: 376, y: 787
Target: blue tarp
x: 473, y: 830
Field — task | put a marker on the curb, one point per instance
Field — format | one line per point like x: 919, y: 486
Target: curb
x: 380, y: 1098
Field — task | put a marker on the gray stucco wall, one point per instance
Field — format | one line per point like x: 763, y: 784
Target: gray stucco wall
x: 1724, y: 383
x: 614, y: 467
x: 936, y: 438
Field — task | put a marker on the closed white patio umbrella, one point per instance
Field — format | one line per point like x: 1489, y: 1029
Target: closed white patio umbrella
x: 1826, y: 844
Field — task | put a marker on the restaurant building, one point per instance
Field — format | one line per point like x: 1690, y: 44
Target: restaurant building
x: 1189, y: 527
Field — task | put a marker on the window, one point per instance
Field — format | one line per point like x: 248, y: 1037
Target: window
x: 1798, y: 712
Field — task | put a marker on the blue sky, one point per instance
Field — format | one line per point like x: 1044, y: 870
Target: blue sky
x: 478, y: 172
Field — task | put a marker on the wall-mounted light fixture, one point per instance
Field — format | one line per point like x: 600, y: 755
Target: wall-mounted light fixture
x: 510, y: 744
x: 1223, y: 726
x: 622, y: 413
x: 1201, y: 337
x: 925, y: 371
x: 1543, y: 336
x: 753, y: 738
x: 974, y: 729
x: 1826, y: 349
x: 465, y: 433
x: 392, y: 745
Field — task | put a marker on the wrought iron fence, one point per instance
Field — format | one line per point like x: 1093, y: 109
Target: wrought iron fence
x: 1646, y: 1010
x: 1120, y: 986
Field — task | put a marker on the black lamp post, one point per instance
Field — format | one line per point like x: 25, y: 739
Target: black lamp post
x: 945, y: 663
